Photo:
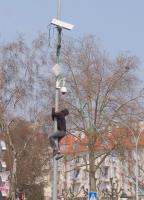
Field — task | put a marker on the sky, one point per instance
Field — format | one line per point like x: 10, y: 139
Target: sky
x: 117, y: 24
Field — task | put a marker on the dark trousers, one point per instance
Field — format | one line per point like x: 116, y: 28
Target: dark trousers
x: 55, y: 137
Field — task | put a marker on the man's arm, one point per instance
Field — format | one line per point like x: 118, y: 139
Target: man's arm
x: 55, y: 114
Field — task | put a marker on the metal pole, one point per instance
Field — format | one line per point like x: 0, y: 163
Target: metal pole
x: 55, y: 162
x: 137, y: 169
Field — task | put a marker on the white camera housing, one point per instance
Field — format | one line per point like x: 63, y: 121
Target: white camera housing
x: 63, y: 90
x: 62, y: 24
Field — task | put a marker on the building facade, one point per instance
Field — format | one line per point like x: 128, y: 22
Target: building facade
x: 116, y: 175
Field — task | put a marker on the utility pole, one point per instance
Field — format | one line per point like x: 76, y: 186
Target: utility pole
x: 55, y: 162
x: 60, y: 83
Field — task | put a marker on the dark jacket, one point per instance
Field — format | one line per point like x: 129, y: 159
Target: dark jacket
x: 60, y: 117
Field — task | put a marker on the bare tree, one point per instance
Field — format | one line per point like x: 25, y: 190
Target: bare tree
x: 31, y: 155
x: 103, y: 93
x: 19, y: 73
x: 114, y: 192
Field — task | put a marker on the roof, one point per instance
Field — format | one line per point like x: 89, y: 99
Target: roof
x: 120, y: 137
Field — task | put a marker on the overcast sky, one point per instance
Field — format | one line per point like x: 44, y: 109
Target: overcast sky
x: 119, y: 24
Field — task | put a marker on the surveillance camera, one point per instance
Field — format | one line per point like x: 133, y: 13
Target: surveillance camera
x: 62, y: 24
x: 63, y: 90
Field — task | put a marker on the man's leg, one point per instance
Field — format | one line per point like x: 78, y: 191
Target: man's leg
x: 53, y: 144
x: 54, y: 137
x: 59, y: 155
x: 52, y: 141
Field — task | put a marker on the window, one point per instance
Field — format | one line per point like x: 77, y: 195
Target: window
x: 76, y: 173
x: 75, y: 146
x: 85, y: 174
x: 76, y: 187
x: 77, y: 160
x: 114, y: 172
x: 139, y: 171
x: 106, y: 171
x: 104, y: 141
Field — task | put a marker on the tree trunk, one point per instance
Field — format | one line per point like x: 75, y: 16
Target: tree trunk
x: 92, y: 179
x: 14, y: 166
x: 92, y: 166
x: 13, y: 180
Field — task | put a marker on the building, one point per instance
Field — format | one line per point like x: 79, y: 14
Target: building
x: 4, y: 175
x: 117, y: 173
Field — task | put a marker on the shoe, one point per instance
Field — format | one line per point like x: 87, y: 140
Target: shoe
x: 59, y: 156
x: 58, y: 152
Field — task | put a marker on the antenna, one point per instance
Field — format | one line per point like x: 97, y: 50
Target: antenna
x: 57, y: 22
x: 59, y: 9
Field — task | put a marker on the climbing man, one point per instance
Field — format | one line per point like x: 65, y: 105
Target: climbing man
x: 55, y: 137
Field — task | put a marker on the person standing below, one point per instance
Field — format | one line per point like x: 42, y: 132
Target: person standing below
x: 55, y: 137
